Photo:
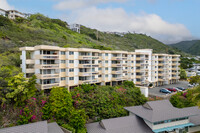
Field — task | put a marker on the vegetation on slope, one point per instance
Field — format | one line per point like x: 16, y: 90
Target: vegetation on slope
x: 38, y: 30
x: 21, y: 103
x: 129, y: 41
x: 191, y: 47
x: 189, y: 98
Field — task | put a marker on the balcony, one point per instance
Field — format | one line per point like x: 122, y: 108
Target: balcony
x: 140, y: 58
x: 138, y: 83
x: 49, y: 56
x: 159, y: 79
x: 161, y: 59
x: 117, y: 72
x: 89, y: 81
x: 160, y: 64
x: 160, y: 74
x: 116, y: 58
x: 174, y: 68
x: 85, y: 57
x: 47, y: 76
x: 117, y: 65
x: 30, y: 70
x: 117, y: 78
x: 29, y: 61
x: 48, y: 86
x: 175, y: 59
x: 160, y: 69
x: 48, y: 66
x: 85, y: 73
x: 85, y: 65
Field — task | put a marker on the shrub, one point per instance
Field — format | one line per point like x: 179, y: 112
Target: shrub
x: 25, y: 116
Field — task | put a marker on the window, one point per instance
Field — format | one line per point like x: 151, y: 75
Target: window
x: 71, y: 70
x: 106, y: 75
x: 71, y: 61
x: 106, y: 54
x: 99, y: 68
x: 106, y: 68
x: 71, y: 78
x: 71, y: 53
x: 62, y: 70
x: 62, y: 61
x: 62, y: 53
x: 106, y: 61
x: 132, y: 61
x: 63, y: 78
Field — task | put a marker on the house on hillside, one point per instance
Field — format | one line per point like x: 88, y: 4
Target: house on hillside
x: 152, y: 117
x: 75, y: 27
x: 13, y: 14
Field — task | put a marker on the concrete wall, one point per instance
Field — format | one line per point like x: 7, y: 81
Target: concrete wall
x: 194, y: 129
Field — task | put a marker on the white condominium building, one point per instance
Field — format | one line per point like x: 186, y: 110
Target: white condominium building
x: 70, y: 67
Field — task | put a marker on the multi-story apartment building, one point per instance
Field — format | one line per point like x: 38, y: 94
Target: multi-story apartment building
x: 70, y: 67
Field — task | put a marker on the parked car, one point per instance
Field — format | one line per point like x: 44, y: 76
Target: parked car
x: 171, y: 89
x: 189, y: 85
x: 181, y: 88
x: 177, y: 89
x: 163, y: 90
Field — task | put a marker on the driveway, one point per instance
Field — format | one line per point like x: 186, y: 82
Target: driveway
x: 156, y: 90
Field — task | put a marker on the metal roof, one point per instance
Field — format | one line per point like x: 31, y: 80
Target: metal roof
x: 161, y: 110
x: 37, y: 127
x: 128, y: 124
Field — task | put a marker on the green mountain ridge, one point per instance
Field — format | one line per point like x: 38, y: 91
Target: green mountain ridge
x: 191, y: 47
x: 41, y: 30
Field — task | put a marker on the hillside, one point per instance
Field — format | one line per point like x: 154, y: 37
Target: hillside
x: 191, y: 47
x: 41, y: 30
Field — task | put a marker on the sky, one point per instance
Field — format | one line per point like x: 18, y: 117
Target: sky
x: 169, y: 21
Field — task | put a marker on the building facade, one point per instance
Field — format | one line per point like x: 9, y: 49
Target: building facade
x: 152, y: 117
x: 13, y: 14
x: 75, y: 27
x: 70, y: 67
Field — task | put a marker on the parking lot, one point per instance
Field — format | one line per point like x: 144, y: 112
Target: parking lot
x: 156, y: 90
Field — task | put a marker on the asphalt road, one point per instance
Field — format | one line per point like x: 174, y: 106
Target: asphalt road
x: 156, y: 90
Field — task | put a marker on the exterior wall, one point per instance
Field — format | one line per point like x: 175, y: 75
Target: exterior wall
x: 164, y: 125
x: 75, y: 66
x: 194, y: 129
x: 144, y: 90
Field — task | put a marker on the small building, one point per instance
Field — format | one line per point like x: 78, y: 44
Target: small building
x: 152, y: 117
x: 191, y: 72
x: 13, y: 14
x: 37, y: 127
x: 75, y: 27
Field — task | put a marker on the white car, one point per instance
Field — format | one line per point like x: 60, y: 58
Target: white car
x: 189, y: 85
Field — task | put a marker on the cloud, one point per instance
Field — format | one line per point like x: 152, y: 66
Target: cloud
x: 4, y: 5
x: 116, y: 19
x: 78, y: 4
